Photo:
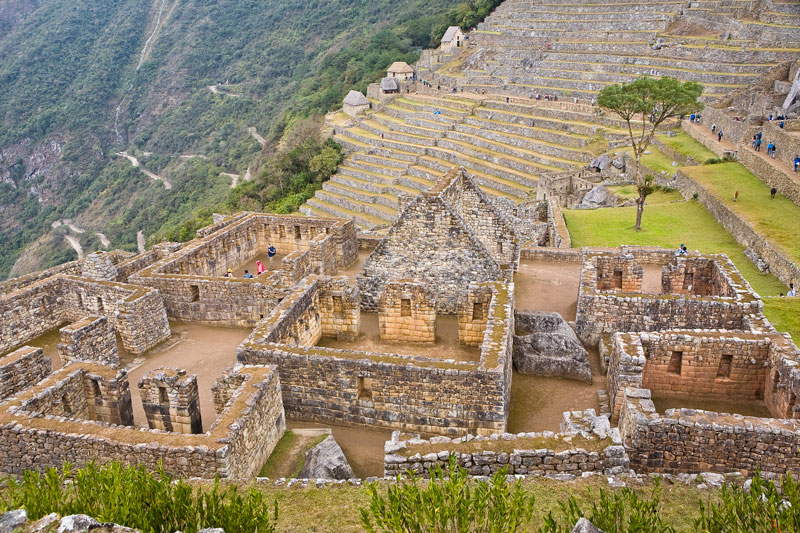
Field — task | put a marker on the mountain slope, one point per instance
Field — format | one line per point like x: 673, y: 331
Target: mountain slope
x: 161, y: 79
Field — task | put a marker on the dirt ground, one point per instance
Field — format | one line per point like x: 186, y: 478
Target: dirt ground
x: 445, y: 347
x: 651, y: 283
x: 544, y: 286
x: 353, y: 270
x: 537, y: 403
x: 202, y: 350
x: 362, y: 447
x: 250, y: 264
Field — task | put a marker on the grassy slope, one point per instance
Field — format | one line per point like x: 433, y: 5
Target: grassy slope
x: 685, y: 144
x: 666, y: 225
x: 776, y: 220
x: 336, y: 509
x: 784, y: 313
x: 659, y: 197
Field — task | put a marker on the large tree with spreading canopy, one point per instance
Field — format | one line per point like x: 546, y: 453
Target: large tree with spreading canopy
x: 644, y: 105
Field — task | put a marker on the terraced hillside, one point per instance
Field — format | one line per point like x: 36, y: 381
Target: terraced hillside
x: 577, y: 47
x: 406, y: 146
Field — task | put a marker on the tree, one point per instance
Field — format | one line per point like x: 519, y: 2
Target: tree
x: 645, y: 105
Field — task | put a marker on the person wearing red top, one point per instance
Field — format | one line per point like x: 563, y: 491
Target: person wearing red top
x: 260, y: 268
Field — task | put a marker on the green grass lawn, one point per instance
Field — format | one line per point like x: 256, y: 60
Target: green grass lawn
x: 659, y: 197
x: 784, y: 313
x: 777, y: 220
x: 685, y: 144
x: 658, y: 162
x: 666, y: 225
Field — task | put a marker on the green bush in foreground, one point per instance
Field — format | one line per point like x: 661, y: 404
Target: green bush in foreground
x: 623, y: 511
x: 134, y: 497
x: 763, y: 508
x: 449, y: 502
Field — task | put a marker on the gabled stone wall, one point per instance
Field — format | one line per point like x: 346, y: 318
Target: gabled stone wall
x: 171, y: 401
x: 407, y: 312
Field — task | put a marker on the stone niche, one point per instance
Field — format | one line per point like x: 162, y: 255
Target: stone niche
x: 619, y: 273
x: 340, y: 310
x: 90, y: 339
x: 473, y: 314
x: 171, y: 401
x: 407, y: 312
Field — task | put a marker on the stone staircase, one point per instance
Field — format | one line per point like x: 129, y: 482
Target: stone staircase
x: 407, y: 145
x: 574, y: 49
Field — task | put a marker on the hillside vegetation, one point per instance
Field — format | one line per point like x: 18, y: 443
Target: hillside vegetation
x: 162, y: 79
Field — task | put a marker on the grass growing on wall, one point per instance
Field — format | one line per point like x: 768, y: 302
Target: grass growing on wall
x: 666, y: 225
x: 776, y: 220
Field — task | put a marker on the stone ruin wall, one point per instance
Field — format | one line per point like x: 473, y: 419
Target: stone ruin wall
x: 236, y: 446
x: 688, y: 440
x: 473, y: 315
x: 388, y: 390
x: 522, y: 454
x: 22, y: 369
x: 192, y: 285
x: 137, y: 314
x: 602, y: 312
x: 90, y: 339
x: 407, y: 312
x: 432, y: 243
x: 779, y: 265
x: 171, y: 401
x: 619, y: 273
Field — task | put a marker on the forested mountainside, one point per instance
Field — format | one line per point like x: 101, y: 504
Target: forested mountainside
x: 196, y: 93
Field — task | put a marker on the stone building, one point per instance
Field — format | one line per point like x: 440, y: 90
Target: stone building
x: 447, y: 237
x: 389, y: 86
x: 355, y: 103
x: 400, y: 71
x: 452, y: 40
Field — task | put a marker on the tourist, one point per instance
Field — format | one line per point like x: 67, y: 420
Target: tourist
x: 229, y: 273
x: 719, y: 136
x: 713, y: 128
x: 681, y: 249
x: 774, y: 148
x: 796, y: 162
x: 770, y: 146
x: 758, y: 144
x: 781, y: 295
x: 791, y: 290
x: 691, y: 117
x: 507, y: 99
x: 772, y: 193
x: 770, y: 118
x: 271, y: 251
x: 781, y: 124
x: 260, y: 268
x: 753, y: 142
x: 736, y: 196
x: 247, y: 275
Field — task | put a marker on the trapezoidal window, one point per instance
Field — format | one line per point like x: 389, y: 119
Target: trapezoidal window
x: 96, y: 388
x: 499, y: 247
x: 477, y: 311
x: 688, y: 281
x: 776, y: 378
x: 194, y: 293
x: 364, y: 388
x: 338, y: 306
x: 724, y: 368
x: 297, y: 233
x: 100, y: 307
x: 405, y: 307
x: 675, y: 363
x: 618, y: 279
x: 163, y: 396
x: 66, y: 404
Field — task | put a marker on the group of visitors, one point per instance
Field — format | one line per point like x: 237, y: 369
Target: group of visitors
x: 260, y: 268
x: 695, y: 117
x: 792, y: 293
x: 682, y: 250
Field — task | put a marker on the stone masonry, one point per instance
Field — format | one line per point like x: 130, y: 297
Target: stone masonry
x: 90, y: 339
x: 407, y: 312
x: 22, y: 369
x: 171, y: 401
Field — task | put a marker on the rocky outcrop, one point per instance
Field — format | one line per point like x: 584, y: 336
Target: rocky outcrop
x: 13, y: 520
x: 326, y: 460
x: 600, y: 196
x: 545, y: 345
x: 584, y: 526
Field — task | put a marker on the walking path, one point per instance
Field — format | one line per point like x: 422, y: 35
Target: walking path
x: 135, y: 163
x: 103, y: 239
x: 75, y: 244
x: 261, y: 140
x: 234, y: 178
x: 140, y: 242
x: 216, y: 90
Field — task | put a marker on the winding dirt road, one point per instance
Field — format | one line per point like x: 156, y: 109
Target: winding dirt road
x: 261, y: 140
x: 75, y: 245
x: 140, y: 242
x: 136, y: 164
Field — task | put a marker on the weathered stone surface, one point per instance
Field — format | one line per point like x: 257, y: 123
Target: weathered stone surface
x: 77, y: 523
x: 12, y: 520
x: 600, y: 196
x: 326, y: 460
x: 601, y: 162
x: 546, y: 345
x: 584, y: 526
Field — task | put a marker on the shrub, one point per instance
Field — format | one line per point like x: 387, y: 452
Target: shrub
x: 449, y: 502
x: 131, y: 496
x: 623, y: 511
x: 763, y: 508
